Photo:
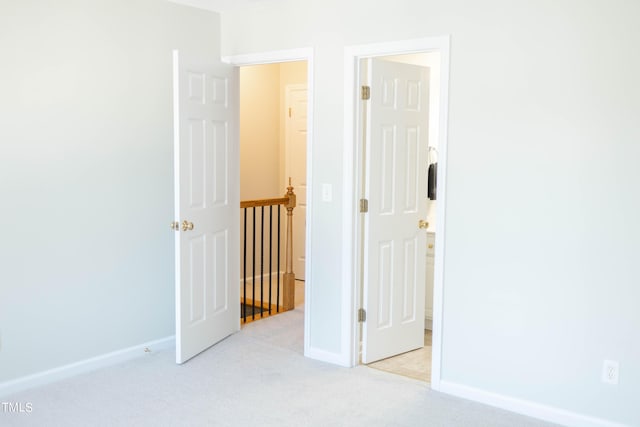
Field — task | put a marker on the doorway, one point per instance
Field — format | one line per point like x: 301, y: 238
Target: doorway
x: 305, y: 55
x: 273, y: 146
x: 356, y: 68
x: 398, y: 157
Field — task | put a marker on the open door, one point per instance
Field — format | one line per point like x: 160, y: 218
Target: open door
x: 394, y: 249
x: 206, y: 203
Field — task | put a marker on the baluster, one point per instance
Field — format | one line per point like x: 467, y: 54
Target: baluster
x: 253, y: 261
x: 270, y: 252
x: 262, y: 261
x: 278, y: 276
x: 244, y: 268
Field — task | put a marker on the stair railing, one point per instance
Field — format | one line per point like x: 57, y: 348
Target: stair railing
x: 250, y: 309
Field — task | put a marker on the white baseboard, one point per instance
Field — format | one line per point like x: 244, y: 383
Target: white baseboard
x: 326, y: 356
x: 264, y: 281
x: 428, y: 323
x: 87, y: 365
x: 525, y: 407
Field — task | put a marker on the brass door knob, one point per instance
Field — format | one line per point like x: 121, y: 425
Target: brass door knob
x: 423, y: 224
x: 175, y: 226
x: 186, y: 225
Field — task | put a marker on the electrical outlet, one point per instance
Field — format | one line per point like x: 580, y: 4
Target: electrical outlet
x: 610, y: 372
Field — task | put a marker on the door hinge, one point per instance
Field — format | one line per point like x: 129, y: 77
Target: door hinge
x: 362, y: 315
x: 289, y: 111
x: 366, y: 92
x: 364, y: 206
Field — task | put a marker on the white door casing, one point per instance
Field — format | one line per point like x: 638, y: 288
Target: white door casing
x: 206, y: 195
x: 396, y: 188
x: 296, y: 168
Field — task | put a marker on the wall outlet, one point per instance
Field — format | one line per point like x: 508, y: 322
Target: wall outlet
x: 610, y: 372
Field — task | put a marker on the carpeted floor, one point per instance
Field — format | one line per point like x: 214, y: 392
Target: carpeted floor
x: 255, y: 377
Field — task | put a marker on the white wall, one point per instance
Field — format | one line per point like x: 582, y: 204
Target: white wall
x: 540, y: 272
x: 86, y: 175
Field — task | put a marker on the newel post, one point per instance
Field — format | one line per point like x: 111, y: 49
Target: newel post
x: 289, y: 291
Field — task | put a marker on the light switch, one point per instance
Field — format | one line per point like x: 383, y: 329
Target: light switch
x: 326, y: 192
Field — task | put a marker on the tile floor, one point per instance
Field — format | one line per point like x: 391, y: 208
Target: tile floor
x: 413, y: 364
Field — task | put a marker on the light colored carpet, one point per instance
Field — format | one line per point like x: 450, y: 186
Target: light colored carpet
x: 413, y: 364
x: 257, y: 377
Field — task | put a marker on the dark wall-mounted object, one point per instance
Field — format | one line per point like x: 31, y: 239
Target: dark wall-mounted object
x: 432, y: 181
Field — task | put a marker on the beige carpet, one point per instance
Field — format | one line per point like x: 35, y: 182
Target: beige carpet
x: 414, y: 364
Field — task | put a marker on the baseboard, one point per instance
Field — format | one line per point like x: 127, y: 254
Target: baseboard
x: 263, y: 281
x: 87, y: 365
x: 525, y: 407
x: 326, y: 356
x: 428, y: 323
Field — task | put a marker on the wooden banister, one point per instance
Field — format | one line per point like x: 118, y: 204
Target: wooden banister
x: 289, y: 202
x: 263, y: 202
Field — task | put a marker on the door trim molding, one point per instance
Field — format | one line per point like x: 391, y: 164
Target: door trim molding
x: 351, y: 173
x: 290, y: 55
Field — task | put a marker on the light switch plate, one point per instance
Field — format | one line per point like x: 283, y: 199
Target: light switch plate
x: 327, y: 191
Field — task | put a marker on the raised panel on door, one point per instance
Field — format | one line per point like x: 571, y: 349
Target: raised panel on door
x: 409, y: 280
x: 385, y: 284
x: 395, y: 182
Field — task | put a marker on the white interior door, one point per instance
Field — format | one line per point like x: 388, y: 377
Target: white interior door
x: 206, y: 203
x: 396, y: 187
x: 296, y: 168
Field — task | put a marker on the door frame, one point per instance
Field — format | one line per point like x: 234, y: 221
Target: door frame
x: 353, y: 250
x: 291, y: 55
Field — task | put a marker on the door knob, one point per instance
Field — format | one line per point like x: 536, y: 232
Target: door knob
x: 175, y: 226
x: 186, y: 225
x: 423, y: 224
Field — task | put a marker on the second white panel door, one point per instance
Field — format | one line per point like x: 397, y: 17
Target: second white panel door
x: 396, y: 187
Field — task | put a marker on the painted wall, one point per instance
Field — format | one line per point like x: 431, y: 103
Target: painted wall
x: 260, y: 132
x: 86, y: 175
x: 541, y: 282
x: 262, y: 127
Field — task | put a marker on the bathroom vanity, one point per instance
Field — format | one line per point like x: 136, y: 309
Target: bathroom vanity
x: 428, y: 305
